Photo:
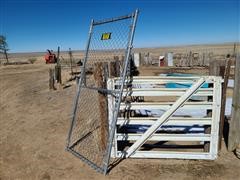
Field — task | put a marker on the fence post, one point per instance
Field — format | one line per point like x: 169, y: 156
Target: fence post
x: 226, y: 71
x: 190, y: 59
x: 112, y: 72
x: 102, y: 99
x: 113, y: 67
x: 71, y: 59
x: 234, y: 125
x: 214, y: 68
x: 140, y: 59
x: 58, y: 74
x: 51, y: 79
x: 58, y: 68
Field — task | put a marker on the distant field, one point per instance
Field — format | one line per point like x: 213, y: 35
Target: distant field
x: 216, y: 49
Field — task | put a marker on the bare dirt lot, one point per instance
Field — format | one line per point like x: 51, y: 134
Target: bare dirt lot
x: 33, y: 128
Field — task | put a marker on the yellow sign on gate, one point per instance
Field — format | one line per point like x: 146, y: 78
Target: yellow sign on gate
x: 106, y: 36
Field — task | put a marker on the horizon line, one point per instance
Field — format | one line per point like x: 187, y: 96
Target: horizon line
x: 146, y: 47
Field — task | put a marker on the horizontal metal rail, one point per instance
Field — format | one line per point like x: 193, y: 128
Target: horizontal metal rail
x: 166, y: 92
x: 164, y: 137
x: 165, y: 105
x: 169, y: 154
x: 163, y: 82
x: 164, y: 79
x: 113, y: 19
x: 90, y: 163
x: 144, y: 78
x: 172, y: 121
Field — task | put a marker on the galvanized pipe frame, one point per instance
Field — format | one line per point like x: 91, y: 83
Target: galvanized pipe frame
x: 170, y: 91
x: 172, y: 121
x: 165, y: 105
x: 117, y: 94
x: 213, y: 121
x: 95, y: 23
x: 164, y: 79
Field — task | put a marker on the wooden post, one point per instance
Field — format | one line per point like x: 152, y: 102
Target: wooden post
x: 214, y: 68
x: 113, y: 67
x: 140, y: 59
x: 58, y: 53
x: 190, y: 59
x: 51, y: 79
x: 102, y: 101
x: 223, y: 100
x: 210, y: 57
x: 203, y: 59
x: 71, y: 59
x: 118, y: 68
x: 234, y: 49
x: 234, y: 125
x: 112, y: 72
x: 181, y: 61
x: 58, y: 73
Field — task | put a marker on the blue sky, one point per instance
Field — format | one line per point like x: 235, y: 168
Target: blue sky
x: 36, y: 25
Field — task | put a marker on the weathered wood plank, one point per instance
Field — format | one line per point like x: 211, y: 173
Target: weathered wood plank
x: 51, y: 79
x: 223, y: 101
x: 234, y: 125
x: 102, y: 102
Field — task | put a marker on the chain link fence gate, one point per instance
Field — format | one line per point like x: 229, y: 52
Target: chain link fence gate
x: 90, y: 137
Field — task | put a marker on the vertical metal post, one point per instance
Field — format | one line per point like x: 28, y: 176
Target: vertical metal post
x: 82, y: 79
x: 118, y: 99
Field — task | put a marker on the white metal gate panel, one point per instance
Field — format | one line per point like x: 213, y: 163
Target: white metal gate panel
x: 202, y: 93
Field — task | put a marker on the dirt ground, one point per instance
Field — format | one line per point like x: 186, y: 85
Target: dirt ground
x: 34, y: 124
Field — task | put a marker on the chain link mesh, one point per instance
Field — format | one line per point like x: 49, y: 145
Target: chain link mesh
x: 109, y: 50
x: 90, y: 129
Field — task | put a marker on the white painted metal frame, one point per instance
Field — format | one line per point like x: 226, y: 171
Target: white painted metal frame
x: 166, y: 119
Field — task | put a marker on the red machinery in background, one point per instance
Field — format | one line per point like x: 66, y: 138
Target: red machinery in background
x: 50, y: 57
